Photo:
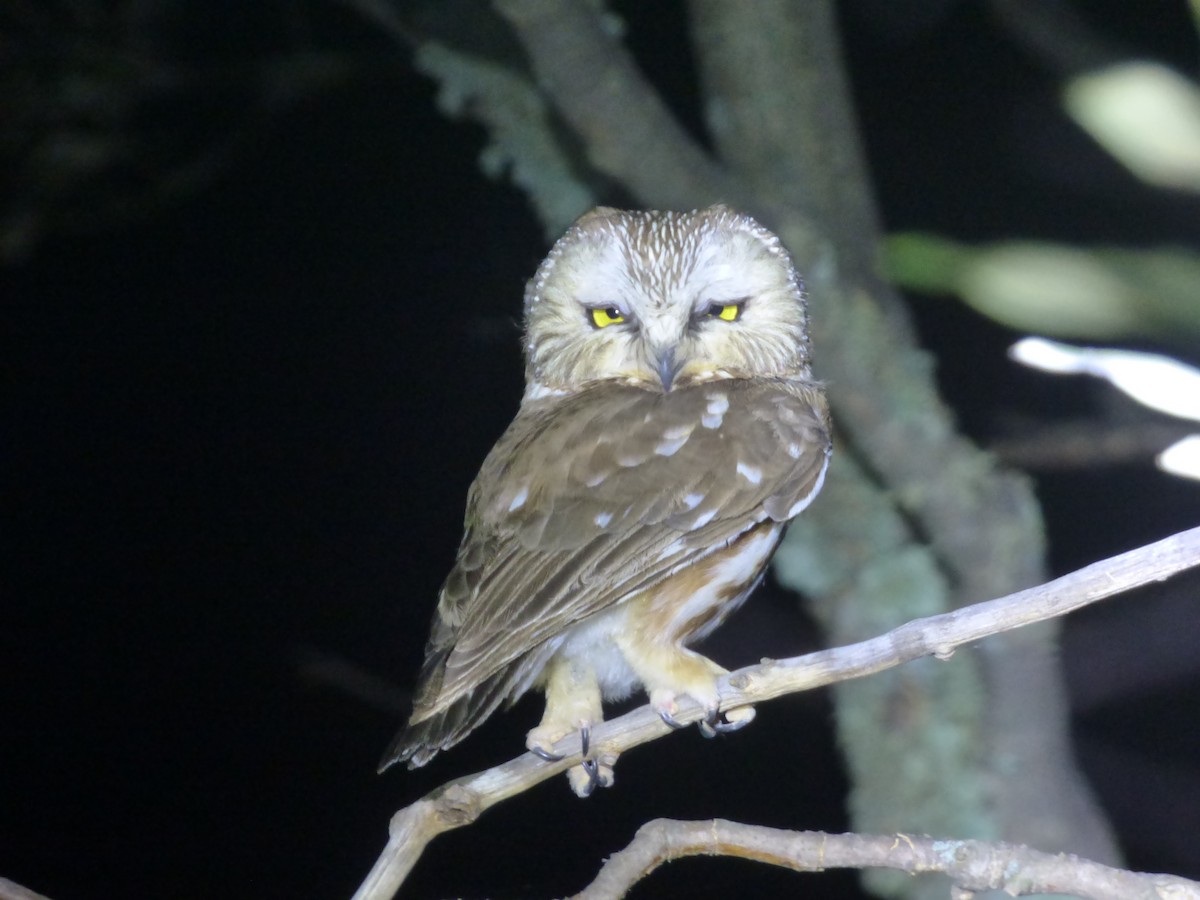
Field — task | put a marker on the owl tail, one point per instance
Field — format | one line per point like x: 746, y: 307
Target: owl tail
x: 420, y: 740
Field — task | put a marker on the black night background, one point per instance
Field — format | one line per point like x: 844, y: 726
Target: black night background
x: 240, y: 426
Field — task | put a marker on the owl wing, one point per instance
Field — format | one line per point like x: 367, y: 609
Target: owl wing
x: 589, y: 499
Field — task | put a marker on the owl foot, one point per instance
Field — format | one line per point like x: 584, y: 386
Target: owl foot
x: 714, y: 722
x: 593, y: 771
x: 540, y: 741
x: 671, y: 720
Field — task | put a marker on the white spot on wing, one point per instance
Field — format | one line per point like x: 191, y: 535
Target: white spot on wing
x: 715, y: 410
x: 704, y: 518
x: 596, y: 479
x: 668, y: 446
x: 629, y: 460
x: 794, y: 450
x: 678, y: 431
x: 691, y: 501
x: 752, y: 474
x: 602, y: 519
x: 519, y: 500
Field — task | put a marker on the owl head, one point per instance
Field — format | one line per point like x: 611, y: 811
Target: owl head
x: 661, y: 300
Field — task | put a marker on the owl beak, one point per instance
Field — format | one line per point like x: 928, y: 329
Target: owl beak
x: 667, y: 367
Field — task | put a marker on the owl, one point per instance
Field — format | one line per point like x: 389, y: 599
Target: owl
x: 669, y: 430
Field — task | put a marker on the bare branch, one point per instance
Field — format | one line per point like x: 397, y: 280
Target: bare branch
x: 778, y: 106
x: 629, y: 133
x: 462, y: 801
x: 522, y: 143
x: 971, y: 865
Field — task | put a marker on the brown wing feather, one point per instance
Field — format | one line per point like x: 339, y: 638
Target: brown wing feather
x: 589, y: 498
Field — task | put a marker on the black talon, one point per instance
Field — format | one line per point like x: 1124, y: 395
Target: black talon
x: 590, y: 766
x: 546, y: 754
x: 592, y: 769
x: 714, y: 723
x: 670, y: 719
x: 710, y: 724
x: 725, y: 726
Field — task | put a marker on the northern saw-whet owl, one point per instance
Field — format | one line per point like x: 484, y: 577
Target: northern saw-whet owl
x: 669, y: 430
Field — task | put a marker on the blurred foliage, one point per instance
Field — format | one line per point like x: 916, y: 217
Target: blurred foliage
x: 1098, y: 294
x: 1145, y: 116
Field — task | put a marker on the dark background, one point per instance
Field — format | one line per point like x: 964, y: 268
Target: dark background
x: 241, y: 428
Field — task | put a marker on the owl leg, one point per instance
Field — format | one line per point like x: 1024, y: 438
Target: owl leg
x: 670, y: 671
x: 572, y: 705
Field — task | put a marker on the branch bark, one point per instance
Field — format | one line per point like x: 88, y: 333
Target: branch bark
x: 780, y: 113
x: 462, y: 801
x: 629, y: 133
x: 971, y: 865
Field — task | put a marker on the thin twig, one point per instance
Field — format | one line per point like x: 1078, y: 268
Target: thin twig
x: 462, y: 801
x: 971, y: 865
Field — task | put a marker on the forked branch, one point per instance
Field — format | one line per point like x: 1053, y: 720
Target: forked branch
x: 461, y: 801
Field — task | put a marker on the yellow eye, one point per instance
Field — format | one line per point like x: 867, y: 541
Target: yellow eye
x: 730, y: 312
x: 605, y: 316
